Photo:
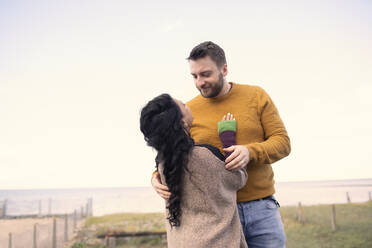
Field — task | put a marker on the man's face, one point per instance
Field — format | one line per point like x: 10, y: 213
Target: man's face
x: 208, y: 78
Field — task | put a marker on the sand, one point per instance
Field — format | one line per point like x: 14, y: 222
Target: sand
x: 22, y: 232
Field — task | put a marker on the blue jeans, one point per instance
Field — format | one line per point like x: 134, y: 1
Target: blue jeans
x: 262, y: 224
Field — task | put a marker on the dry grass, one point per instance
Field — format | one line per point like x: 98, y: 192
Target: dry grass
x: 354, y: 225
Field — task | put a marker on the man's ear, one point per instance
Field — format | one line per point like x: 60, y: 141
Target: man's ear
x: 224, y: 70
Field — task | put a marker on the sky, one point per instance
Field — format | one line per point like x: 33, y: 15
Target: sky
x: 74, y: 76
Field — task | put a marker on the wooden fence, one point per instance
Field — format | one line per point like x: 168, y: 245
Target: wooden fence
x: 70, y: 224
x: 302, y: 219
x: 86, y: 210
x: 54, y: 231
x: 110, y: 238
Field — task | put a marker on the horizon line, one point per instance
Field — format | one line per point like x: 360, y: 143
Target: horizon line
x: 120, y: 187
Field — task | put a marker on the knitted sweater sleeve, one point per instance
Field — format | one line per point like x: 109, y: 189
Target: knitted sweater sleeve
x: 227, y: 134
x: 235, y: 180
x: 276, y: 144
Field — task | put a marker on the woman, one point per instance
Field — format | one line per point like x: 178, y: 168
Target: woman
x: 201, y: 210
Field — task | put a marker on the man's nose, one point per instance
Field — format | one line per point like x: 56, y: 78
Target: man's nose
x: 199, y: 82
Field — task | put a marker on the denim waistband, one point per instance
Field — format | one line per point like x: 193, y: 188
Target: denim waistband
x: 264, y: 198
x: 270, y: 197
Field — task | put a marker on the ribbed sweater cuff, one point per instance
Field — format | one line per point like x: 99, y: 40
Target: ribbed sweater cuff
x: 226, y: 126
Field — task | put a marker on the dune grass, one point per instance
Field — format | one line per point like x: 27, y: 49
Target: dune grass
x: 127, y: 222
x: 354, y: 228
x: 353, y: 222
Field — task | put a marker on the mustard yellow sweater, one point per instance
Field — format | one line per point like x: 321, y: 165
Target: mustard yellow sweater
x: 259, y: 128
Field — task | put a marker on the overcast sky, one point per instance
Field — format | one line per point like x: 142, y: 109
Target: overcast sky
x: 75, y: 74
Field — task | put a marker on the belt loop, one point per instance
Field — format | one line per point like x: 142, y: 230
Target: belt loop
x: 276, y: 202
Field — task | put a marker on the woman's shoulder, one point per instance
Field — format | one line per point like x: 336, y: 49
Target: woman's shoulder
x: 214, y: 150
x: 200, y: 150
x: 201, y: 154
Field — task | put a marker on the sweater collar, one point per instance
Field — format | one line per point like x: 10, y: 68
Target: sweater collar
x: 227, y: 95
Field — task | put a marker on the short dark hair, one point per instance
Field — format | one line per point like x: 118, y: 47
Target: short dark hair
x: 208, y: 48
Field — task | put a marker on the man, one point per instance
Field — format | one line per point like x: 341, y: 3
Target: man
x: 261, y: 137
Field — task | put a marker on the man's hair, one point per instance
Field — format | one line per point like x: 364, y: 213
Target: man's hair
x: 208, y: 48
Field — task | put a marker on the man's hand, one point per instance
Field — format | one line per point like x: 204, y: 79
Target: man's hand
x: 238, y: 158
x: 161, y: 189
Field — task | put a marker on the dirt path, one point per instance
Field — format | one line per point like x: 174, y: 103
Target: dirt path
x: 22, y: 232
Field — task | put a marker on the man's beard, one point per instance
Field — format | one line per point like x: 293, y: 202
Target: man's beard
x: 215, y: 88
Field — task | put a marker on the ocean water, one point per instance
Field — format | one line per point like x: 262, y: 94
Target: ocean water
x: 144, y: 199
x: 323, y: 192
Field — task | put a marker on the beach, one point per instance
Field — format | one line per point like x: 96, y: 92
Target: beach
x: 141, y: 201
x: 22, y: 231
x: 145, y: 200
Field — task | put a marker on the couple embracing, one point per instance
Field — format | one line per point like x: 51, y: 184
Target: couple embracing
x: 214, y: 158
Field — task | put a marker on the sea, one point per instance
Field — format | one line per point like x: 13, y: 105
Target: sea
x: 145, y: 200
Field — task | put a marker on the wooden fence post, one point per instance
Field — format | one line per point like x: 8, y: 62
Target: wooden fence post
x: 106, y: 241
x: 333, y: 218
x: 74, y: 221
x: 35, y: 236
x: 50, y: 207
x: 82, y: 212
x: 87, y: 209
x: 348, y: 197
x: 10, y: 240
x: 66, y: 228
x: 369, y: 195
x: 5, y: 206
x: 54, y: 235
x: 111, y: 242
x: 90, y: 206
x: 39, y: 214
x: 300, y: 214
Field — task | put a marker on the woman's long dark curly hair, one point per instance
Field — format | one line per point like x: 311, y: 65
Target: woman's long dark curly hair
x: 161, y: 124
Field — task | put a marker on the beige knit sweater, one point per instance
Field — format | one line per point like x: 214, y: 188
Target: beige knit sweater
x: 210, y: 216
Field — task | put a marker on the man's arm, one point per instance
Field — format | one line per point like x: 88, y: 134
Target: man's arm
x: 276, y: 144
x: 239, y: 157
